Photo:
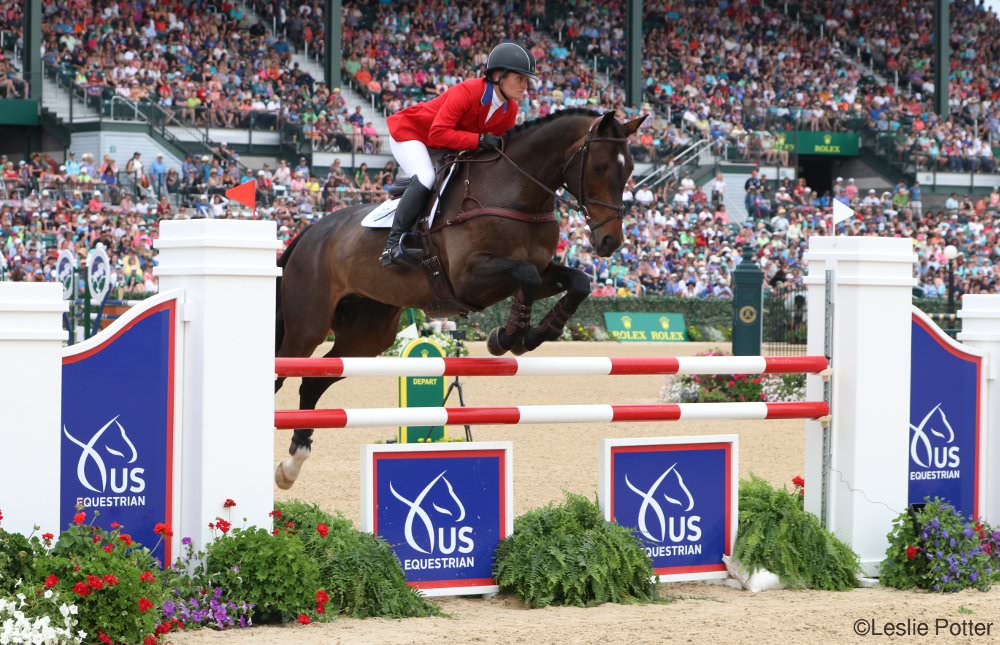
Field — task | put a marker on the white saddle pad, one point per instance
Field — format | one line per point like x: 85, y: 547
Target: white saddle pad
x: 381, y: 216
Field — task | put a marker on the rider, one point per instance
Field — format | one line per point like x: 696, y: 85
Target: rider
x: 472, y: 115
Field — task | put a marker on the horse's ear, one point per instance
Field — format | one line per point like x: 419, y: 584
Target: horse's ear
x: 607, y: 120
x: 633, y: 125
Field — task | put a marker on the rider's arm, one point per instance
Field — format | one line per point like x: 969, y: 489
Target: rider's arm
x: 443, y: 131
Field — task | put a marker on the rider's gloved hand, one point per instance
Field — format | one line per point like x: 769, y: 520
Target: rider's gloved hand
x: 490, y: 142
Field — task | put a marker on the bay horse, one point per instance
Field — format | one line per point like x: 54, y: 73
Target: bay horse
x: 502, y: 247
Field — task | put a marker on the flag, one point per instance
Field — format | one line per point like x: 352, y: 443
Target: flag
x: 841, y: 211
x: 245, y: 193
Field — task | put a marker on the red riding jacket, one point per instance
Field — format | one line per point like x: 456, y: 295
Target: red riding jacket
x: 455, y: 119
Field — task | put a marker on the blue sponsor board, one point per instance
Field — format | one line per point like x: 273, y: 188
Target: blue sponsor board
x: 117, y: 426
x: 443, y: 508
x: 946, y: 395
x: 678, y: 496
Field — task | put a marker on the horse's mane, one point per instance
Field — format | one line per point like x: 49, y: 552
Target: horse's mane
x: 528, y: 126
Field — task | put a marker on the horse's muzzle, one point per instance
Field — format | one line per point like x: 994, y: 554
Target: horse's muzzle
x: 606, y: 245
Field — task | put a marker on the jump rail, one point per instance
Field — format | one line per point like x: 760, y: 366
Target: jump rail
x: 548, y: 366
x: 525, y: 414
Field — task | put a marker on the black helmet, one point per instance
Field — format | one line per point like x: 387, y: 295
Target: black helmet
x: 513, y: 58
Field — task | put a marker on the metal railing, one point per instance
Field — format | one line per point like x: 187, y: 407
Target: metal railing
x: 679, y: 164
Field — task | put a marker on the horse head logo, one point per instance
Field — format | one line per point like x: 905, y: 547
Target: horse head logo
x: 117, y: 444
x: 683, y: 499
x: 442, y: 501
x: 936, y: 424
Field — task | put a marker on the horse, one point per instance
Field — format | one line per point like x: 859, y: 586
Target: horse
x: 502, y: 247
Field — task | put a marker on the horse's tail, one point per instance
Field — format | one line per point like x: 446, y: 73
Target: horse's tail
x: 279, y: 318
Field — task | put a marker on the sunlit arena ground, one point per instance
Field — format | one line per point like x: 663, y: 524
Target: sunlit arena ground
x: 550, y: 459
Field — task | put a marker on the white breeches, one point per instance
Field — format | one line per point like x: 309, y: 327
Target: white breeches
x: 413, y: 159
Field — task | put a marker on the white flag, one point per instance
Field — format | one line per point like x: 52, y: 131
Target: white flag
x: 841, y: 211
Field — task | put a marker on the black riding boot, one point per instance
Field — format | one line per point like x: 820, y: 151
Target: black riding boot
x: 411, y: 206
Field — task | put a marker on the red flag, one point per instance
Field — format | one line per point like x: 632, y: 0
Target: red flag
x: 245, y: 193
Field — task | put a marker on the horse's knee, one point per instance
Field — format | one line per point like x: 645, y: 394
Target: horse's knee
x: 527, y: 275
x: 578, y: 285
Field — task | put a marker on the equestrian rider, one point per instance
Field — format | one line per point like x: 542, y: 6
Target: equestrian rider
x: 472, y: 115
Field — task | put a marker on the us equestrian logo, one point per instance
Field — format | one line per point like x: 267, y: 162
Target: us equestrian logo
x: 106, y: 467
x: 432, y: 528
x: 932, y: 447
x: 676, y: 524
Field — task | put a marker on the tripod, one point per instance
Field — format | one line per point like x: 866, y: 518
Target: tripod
x: 456, y: 384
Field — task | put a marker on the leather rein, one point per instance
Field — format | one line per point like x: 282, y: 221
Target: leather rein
x: 581, y: 203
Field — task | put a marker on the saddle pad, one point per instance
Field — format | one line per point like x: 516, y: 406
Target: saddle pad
x: 381, y: 216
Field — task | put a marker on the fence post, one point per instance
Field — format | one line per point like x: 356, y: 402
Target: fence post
x: 31, y: 338
x: 227, y: 270
x: 748, y: 282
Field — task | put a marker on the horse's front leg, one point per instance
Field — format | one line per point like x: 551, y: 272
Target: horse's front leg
x: 557, y: 278
x: 493, y: 274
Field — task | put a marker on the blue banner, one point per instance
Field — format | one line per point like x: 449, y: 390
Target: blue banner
x: 117, y: 435
x: 443, y: 512
x: 945, y: 404
x: 677, y: 500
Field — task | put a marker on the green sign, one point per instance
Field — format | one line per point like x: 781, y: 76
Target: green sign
x: 422, y: 392
x: 645, y: 327
x: 827, y: 143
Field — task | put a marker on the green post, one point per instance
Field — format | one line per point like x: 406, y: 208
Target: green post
x: 748, y: 293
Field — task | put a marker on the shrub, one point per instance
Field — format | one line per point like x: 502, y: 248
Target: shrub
x: 570, y: 555
x: 274, y: 571
x: 195, y: 600
x: 19, y: 557
x: 935, y: 548
x: 360, y: 571
x: 776, y: 534
x: 111, y: 579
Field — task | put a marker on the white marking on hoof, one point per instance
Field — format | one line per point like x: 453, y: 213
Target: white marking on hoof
x: 288, y: 470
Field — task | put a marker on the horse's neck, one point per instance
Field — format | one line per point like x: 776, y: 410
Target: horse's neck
x: 543, y: 154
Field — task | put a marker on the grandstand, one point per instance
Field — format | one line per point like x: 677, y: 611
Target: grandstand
x: 150, y: 111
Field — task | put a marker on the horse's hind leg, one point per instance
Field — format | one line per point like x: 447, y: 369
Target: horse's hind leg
x: 362, y: 328
x: 555, y: 279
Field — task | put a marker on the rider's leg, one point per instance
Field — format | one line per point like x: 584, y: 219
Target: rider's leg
x: 413, y: 160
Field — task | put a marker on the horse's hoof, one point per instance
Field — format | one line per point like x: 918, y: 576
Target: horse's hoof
x: 282, y: 482
x: 519, y: 346
x: 494, y: 345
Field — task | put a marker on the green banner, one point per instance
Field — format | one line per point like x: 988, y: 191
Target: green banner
x: 19, y: 112
x: 422, y: 392
x: 645, y: 326
x: 827, y: 143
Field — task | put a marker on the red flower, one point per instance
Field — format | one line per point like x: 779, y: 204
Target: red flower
x: 51, y: 581
x: 211, y: 525
x: 150, y: 640
x: 304, y: 620
x: 322, y: 529
x: 97, y: 538
x: 115, y: 525
x: 320, y: 609
x: 1, y: 516
x: 223, y: 525
x: 275, y: 531
x: 81, y: 589
x: 111, y: 579
x: 987, y: 548
x: 48, y: 537
x: 79, y: 518
x: 95, y: 582
x: 104, y: 638
x: 162, y: 529
x: 322, y: 597
x: 289, y: 525
x: 798, y: 481
x: 126, y: 538
x: 732, y: 383
x: 276, y: 514
x: 108, y: 548
x: 144, y: 604
x: 146, y: 576
x: 229, y: 503
x: 911, y: 552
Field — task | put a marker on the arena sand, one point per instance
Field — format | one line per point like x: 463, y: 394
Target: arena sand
x: 551, y: 459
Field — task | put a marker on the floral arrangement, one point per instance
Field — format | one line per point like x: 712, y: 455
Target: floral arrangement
x: 709, y: 388
x: 937, y: 549
x: 578, y: 331
x: 39, y: 618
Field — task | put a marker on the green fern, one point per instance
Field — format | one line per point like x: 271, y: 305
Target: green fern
x: 569, y: 555
x: 776, y: 534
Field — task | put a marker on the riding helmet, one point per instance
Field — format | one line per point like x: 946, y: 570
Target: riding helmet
x: 513, y: 58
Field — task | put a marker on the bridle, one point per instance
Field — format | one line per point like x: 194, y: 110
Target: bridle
x: 582, y: 201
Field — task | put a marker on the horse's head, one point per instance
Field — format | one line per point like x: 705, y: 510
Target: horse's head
x: 596, y: 173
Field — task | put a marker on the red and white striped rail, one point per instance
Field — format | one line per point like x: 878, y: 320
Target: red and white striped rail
x: 525, y: 414
x: 548, y: 366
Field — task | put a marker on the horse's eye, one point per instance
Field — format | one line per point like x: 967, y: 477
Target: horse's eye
x: 600, y: 167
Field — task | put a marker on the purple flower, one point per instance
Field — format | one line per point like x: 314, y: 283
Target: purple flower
x: 996, y: 536
x: 967, y: 532
x: 944, y: 533
x: 946, y: 579
x: 168, y: 609
x: 186, y: 541
x: 973, y: 576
